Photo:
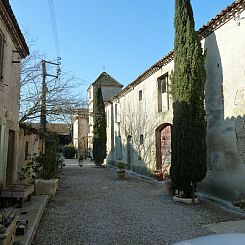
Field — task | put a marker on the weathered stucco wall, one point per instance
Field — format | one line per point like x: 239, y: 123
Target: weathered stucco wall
x: 137, y: 118
x: 80, y: 135
x: 9, y: 109
x: 225, y: 107
x: 30, y: 146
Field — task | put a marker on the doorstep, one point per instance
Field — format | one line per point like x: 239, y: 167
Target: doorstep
x: 31, y: 211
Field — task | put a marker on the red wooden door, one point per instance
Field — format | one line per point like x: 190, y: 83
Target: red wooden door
x: 166, y: 146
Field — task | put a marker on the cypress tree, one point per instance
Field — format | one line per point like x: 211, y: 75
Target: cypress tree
x: 187, y: 87
x: 99, y: 126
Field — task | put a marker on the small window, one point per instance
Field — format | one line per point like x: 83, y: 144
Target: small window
x: 163, y: 96
x: 140, y: 95
x: 108, y: 118
x: 141, y: 139
x: 1, y: 54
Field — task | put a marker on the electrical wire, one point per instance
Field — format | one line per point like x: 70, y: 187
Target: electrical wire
x: 75, y: 77
x: 54, y: 27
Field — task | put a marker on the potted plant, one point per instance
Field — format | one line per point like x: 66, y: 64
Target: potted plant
x: 121, y: 169
x: 46, y: 169
x: 158, y: 174
x: 7, y: 227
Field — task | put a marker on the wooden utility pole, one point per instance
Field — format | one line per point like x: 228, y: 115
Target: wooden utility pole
x: 44, y: 91
x: 43, y: 115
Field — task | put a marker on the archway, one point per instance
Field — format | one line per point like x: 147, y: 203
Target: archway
x: 163, y: 146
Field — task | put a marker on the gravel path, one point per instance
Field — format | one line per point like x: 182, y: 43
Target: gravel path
x: 92, y: 206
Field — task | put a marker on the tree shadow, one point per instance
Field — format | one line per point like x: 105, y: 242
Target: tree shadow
x: 225, y: 135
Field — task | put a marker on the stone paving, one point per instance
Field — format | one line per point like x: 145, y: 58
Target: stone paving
x: 93, y: 206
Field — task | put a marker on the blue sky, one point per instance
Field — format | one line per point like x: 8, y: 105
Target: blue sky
x: 125, y: 36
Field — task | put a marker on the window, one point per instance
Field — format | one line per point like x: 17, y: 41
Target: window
x: 164, y: 85
x: 163, y: 97
x: 108, y: 118
x: 141, y: 139
x: 1, y: 54
x: 140, y: 95
x: 117, y: 113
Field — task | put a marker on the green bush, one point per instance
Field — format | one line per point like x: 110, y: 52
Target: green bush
x: 69, y: 151
x: 47, y: 163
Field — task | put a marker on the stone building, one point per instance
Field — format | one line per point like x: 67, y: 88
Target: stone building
x: 140, y: 116
x: 109, y: 87
x: 80, y: 132
x: 13, y: 48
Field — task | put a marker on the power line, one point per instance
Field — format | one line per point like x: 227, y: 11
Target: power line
x: 54, y: 27
x: 74, y: 76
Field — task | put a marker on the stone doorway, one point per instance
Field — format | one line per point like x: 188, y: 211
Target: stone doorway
x: 163, y: 147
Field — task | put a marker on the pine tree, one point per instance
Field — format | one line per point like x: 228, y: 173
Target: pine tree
x: 99, y: 126
x: 187, y: 87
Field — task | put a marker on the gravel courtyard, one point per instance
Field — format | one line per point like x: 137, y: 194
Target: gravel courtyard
x: 92, y: 206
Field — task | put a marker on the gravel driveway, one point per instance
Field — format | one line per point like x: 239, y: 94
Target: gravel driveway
x: 92, y: 206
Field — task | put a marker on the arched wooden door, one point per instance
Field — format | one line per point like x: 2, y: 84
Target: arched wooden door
x: 163, y: 146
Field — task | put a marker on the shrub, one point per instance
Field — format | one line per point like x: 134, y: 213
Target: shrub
x: 69, y: 151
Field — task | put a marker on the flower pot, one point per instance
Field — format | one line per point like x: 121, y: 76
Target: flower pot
x: 121, y: 173
x: 46, y: 187
x: 7, y: 238
x: 158, y: 175
x: 179, y: 198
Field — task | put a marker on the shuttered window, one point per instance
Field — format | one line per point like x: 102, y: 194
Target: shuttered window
x: 1, y: 54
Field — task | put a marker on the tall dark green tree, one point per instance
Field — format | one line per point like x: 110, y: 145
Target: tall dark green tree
x: 99, y: 126
x: 187, y: 87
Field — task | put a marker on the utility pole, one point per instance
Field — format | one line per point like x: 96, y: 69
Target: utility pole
x: 43, y: 120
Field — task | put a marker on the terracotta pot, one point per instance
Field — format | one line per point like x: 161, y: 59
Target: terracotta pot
x: 121, y: 173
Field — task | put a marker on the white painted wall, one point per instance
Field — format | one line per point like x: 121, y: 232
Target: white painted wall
x: 139, y: 118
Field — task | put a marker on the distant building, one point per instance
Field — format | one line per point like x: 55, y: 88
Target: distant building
x: 13, y: 48
x: 80, y: 132
x: 62, y: 130
x: 110, y: 87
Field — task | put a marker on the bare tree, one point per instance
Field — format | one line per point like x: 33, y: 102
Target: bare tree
x: 61, y: 98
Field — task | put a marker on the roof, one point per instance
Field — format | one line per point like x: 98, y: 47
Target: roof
x: 28, y: 129
x: 107, y: 80
x: 13, y: 28
x: 220, y: 19
x: 59, y: 128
